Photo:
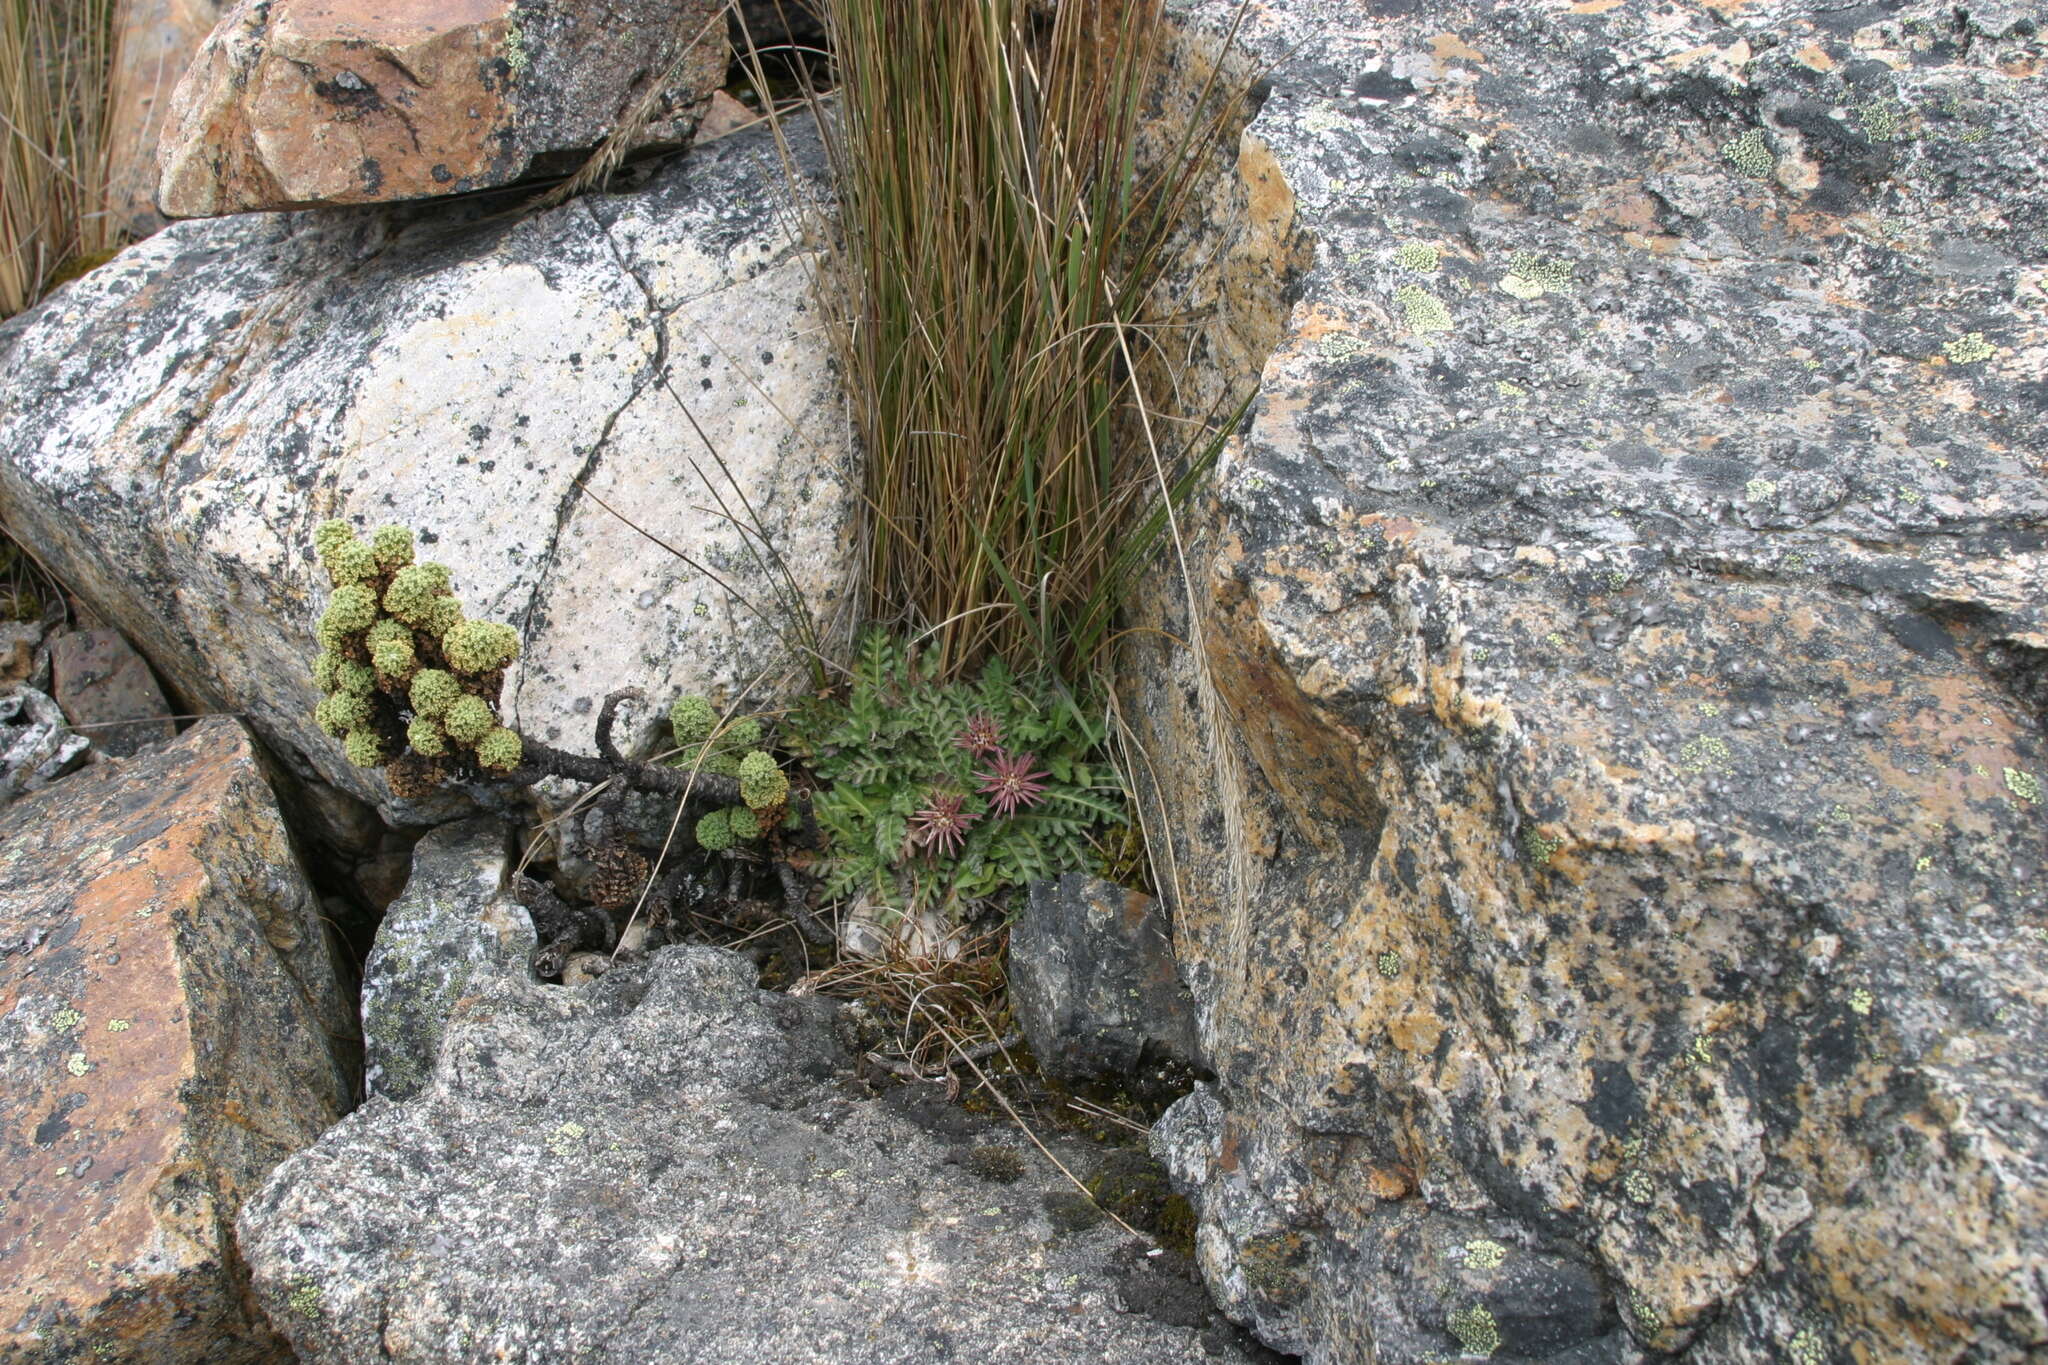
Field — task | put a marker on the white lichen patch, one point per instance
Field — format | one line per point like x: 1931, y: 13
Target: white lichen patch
x: 1342, y: 346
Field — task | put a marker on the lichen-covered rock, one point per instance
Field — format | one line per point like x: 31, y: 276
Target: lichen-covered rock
x: 1617, y: 820
x: 1093, y: 985
x: 174, y: 426
x: 451, y: 927
x: 170, y: 1028
x: 662, y: 1167
x: 296, y: 103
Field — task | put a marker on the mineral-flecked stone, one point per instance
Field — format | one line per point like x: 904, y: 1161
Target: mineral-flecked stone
x: 662, y: 1166
x: 294, y: 103
x: 170, y: 1028
x: 174, y: 425
x: 1612, y: 814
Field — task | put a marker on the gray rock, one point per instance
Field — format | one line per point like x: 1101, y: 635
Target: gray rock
x: 174, y: 425
x: 1612, y: 815
x: 36, y: 746
x: 661, y: 1167
x: 1093, y: 985
x: 453, y: 929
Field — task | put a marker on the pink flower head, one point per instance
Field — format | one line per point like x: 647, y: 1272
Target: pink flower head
x: 1012, y: 783
x: 942, y: 825
x: 982, y: 735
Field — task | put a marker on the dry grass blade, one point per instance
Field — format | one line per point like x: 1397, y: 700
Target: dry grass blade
x: 944, y: 1005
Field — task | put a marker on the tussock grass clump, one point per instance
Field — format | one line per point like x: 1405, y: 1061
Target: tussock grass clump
x: 1001, y: 226
x: 56, y: 68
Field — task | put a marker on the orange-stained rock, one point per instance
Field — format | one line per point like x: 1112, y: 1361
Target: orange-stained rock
x: 154, y: 43
x: 168, y: 1026
x: 296, y: 103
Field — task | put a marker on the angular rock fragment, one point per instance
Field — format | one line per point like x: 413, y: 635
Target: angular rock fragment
x: 107, y: 692
x: 452, y: 927
x: 170, y: 1029
x: 1093, y: 984
x: 296, y: 103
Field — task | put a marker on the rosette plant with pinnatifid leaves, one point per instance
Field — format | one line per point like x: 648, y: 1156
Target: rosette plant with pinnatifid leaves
x: 410, y: 684
x: 946, y: 795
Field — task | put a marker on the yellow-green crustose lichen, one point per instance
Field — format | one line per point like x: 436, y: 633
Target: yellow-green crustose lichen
x: 1704, y: 753
x: 1508, y: 389
x: 566, y: 1138
x: 517, y: 59
x: 1424, y: 311
x: 1342, y: 346
x: 1969, y: 349
x: 117, y: 1026
x: 1390, y: 964
x: 1750, y: 154
x: 1537, y: 847
x: 2023, y: 784
x: 65, y: 1020
x: 1531, y: 276
x: 1860, y: 1000
x: 1484, y: 1254
x: 1759, y: 489
x: 1638, y: 1187
x: 76, y: 1064
x: 1424, y: 258
x: 305, y: 1301
x: 1475, y: 1330
x: 1805, y: 1348
x: 1883, y: 120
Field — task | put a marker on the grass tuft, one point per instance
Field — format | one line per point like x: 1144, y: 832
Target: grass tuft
x: 56, y: 68
x: 1003, y: 220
